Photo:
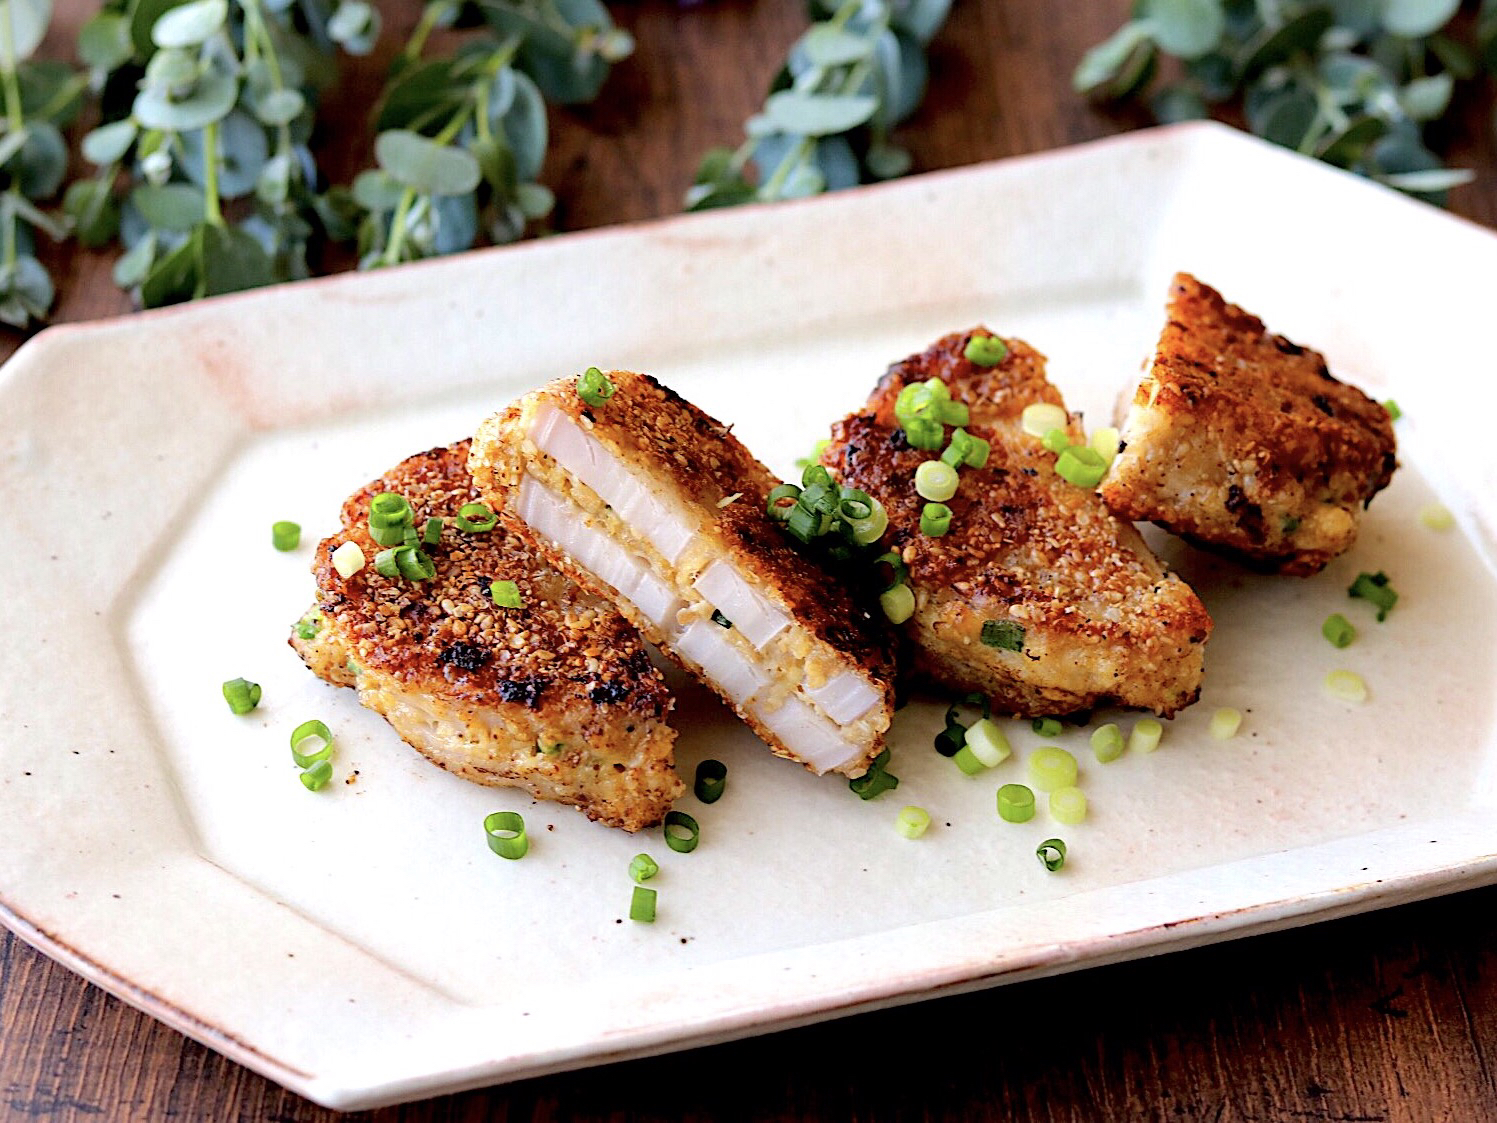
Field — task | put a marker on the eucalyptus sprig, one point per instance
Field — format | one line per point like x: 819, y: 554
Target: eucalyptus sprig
x: 462, y: 137
x: 1351, y: 82
x: 38, y: 98
x: 827, y: 123
x: 207, y: 109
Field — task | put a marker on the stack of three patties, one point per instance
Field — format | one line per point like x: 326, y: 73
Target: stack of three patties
x: 632, y: 512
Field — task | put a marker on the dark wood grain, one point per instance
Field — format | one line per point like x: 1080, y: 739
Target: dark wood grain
x: 1390, y: 1016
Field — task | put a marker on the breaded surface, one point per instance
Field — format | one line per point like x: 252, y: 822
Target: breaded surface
x: 1102, y: 620
x: 486, y: 692
x: 1244, y: 443
x: 695, y: 465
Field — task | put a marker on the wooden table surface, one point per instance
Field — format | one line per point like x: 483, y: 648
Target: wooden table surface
x: 1388, y: 1016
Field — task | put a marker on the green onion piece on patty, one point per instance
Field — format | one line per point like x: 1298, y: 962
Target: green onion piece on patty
x: 1338, y: 630
x: 415, y: 564
x: 506, y: 594
x: 912, y: 821
x: 642, y: 905
x: 386, y: 563
x: 1051, y: 767
x: 388, y: 534
x: 782, y: 500
x: 432, y: 533
x: 505, y: 831
x: 953, y: 413
x: 241, y: 695
x: 1056, y: 441
x: 1107, y: 742
x: 936, y: 480
x: 1051, y: 853
x: 986, y: 350
x: 316, y: 778
x: 1002, y: 634
x: 1394, y: 413
x: 1015, y: 803
x: 817, y: 475
x: 594, y: 388
x: 475, y: 518
x: 1145, y: 736
x: 681, y: 832
x: 311, y: 741
x: 924, y: 433
x: 1068, y: 805
x: 1081, y: 466
x: 1105, y: 443
x: 867, y: 531
x: 935, y: 520
x: 1040, y: 419
x: 642, y: 867
x: 898, y: 603
x: 285, y: 535
x: 390, y: 509
x: 711, y: 780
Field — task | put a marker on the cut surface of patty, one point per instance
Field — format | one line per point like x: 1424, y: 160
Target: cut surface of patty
x: 558, y: 696
x: 1079, y: 613
x: 1244, y: 443
x: 654, y: 504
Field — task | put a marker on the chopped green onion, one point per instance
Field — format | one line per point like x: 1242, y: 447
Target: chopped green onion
x: 285, y: 535
x: 390, y: 509
x: 1338, y: 630
x: 854, y: 505
x: 867, y: 531
x: 311, y: 741
x: 506, y: 594
x: 711, y: 779
x: 681, y: 832
x: 432, y: 534
x: 309, y: 625
x: 642, y: 905
x: 1107, y: 742
x: 1290, y: 524
x: 475, y: 518
x: 965, y: 759
x: 388, y: 534
x: 1347, y: 686
x: 1375, y: 588
x: 1040, y: 419
x: 642, y: 867
x: 1051, y: 853
x: 505, y: 831
x: 549, y: 748
x: 386, y: 563
x: 1225, y: 723
x: 953, y: 413
x: 912, y: 821
x: 1051, y: 767
x: 987, y: 743
x: 936, y: 480
x: 415, y: 564
x: 348, y: 559
x: 1068, y: 805
x: 1015, y: 803
x: 817, y: 475
x: 1003, y: 634
x: 1436, y: 516
x: 986, y: 350
x: 892, y: 559
x: 1046, y: 726
x: 1081, y: 466
x: 1105, y: 443
x: 782, y: 500
x: 965, y: 450
x: 1394, y: 413
x: 316, y: 777
x: 935, y: 519
x: 720, y: 620
x: 876, y: 780
x: 241, y: 695
x: 1056, y: 440
x: 924, y: 433
x: 898, y: 603
x: 594, y: 388
x: 409, y: 537
x: 1145, y: 736
x: 804, y: 524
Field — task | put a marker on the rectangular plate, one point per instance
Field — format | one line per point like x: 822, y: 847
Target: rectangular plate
x: 362, y: 945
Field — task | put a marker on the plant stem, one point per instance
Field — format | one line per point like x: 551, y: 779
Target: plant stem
x: 391, y: 256
x: 212, y: 214
x: 13, y: 115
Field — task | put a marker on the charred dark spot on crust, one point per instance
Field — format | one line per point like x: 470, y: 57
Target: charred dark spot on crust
x: 897, y: 440
x: 1390, y: 462
x: 608, y: 690
x: 638, y: 663
x: 1030, y: 471
x: 1287, y: 347
x: 526, y: 691
x: 1249, y: 515
x: 465, y: 656
x: 1322, y: 403
x: 1325, y: 372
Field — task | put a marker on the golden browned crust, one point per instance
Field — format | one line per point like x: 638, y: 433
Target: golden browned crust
x: 1245, y: 443
x: 1102, y: 619
x: 506, y: 684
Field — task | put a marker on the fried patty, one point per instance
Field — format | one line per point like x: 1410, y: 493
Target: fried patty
x: 1244, y: 443
x: 1037, y: 596
x: 558, y: 696
x: 651, y: 502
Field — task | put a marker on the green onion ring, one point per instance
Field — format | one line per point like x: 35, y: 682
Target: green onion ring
x: 642, y: 905
x: 1051, y: 853
x: 307, y: 731
x: 415, y: 564
x: 935, y: 520
x: 431, y: 534
x: 892, y: 559
x: 316, y: 777
x: 475, y: 518
x: 711, y: 780
x: 782, y: 501
x: 285, y: 535
x: 1015, y: 803
x: 392, y: 534
x: 642, y: 867
x: 241, y: 695
x: 505, y: 831
x: 389, y: 508
x: 386, y: 562
x: 677, y: 821
x: 594, y: 387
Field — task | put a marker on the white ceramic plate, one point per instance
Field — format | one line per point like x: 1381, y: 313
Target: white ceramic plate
x: 363, y: 946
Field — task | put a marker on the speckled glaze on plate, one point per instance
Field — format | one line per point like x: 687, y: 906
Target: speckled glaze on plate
x: 361, y: 945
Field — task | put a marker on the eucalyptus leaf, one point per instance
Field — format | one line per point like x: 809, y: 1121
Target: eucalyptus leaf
x: 827, y: 45
x: 496, y: 163
x: 887, y: 161
x: 419, y: 89
x: 354, y: 26
x: 172, y: 277
x: 424, y: 165
x: 1417, y: 18
x: 273, y: 185
x: 109, y: 143
x: 171, y: 206
x: 1176, y: 103
x: 174, y: 71
x: 12, y: 143
x: 501, y: 93
x: 233, y: 260
x: 455, y: 218
x: 1360, y: 17
x: 1345, y: 147
x: 104, y: 41
x: 28, y: 25
x: 280, y: 107
x: 524, y: 127
x: 376, y: 191
x: 242, y: 151
x: 42, y: 161
x: 22, y: 208
x: 211, y: 101
x: 143, y: 16
x: 1187, y: 28
x: 920, y: 19
x: 51, y: 89
x: 709, y: 196
x: 831, y: 157
x: 1289, y: 118
x: 1275, y: 45
x: 1102, y: 65
x: 94, y: 213
x: 914, y: 74
x: 1427, y: 182
x: 190, y: 24
x: 535, y: 200
x: 1213, y: 76
x: 1425, y: 99
x: 804, y: 114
